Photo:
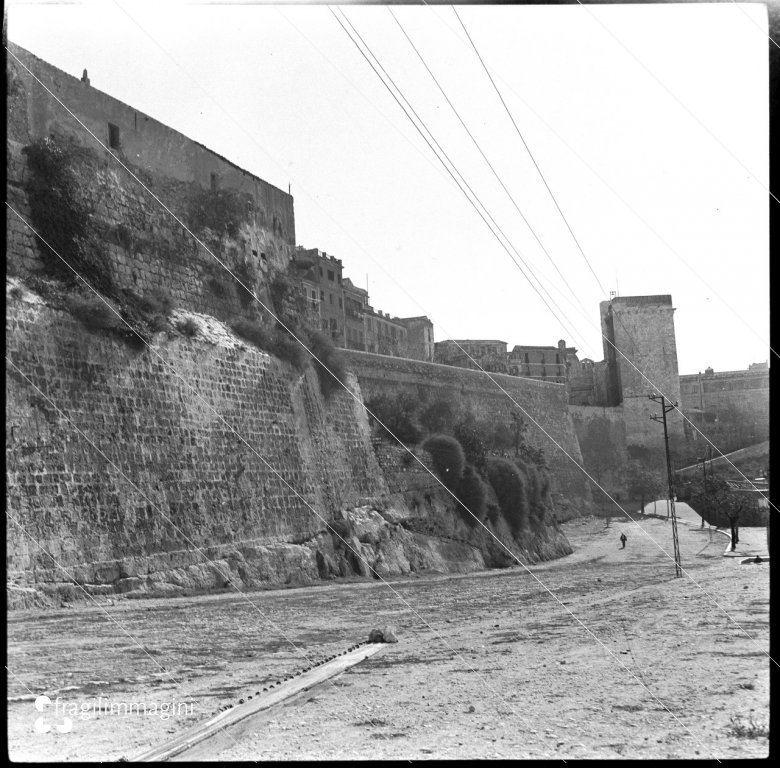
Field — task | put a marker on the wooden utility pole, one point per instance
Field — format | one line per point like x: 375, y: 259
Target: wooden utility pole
x: 669, y: 475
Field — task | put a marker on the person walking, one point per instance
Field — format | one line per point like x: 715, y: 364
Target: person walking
x: 623, y: 540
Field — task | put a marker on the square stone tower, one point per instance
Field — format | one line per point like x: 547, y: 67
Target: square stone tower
x: 642, y: 328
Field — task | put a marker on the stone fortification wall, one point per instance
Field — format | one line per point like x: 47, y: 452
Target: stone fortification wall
x: 474, y: 391
x: 142, y: 246
x: 642, y: 328
x: 170, y: 443
x: 730, y: 407
x: 601, y: 433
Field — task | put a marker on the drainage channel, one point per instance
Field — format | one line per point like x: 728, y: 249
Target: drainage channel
x: 269, y: 696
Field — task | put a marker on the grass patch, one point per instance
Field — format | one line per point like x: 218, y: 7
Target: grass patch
x: 748, y: 728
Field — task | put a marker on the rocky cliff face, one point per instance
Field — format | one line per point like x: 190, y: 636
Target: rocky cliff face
x: 205, y: 464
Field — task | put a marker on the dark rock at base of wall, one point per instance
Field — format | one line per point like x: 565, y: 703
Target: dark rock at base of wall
x: 377, y: 548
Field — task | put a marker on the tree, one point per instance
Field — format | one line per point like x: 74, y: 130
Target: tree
x: 720, y: 504
x: 437, y: 417
x: 448, y: 459
x: 472, y: 439
x: 598, y: 451
x: 643, y: 482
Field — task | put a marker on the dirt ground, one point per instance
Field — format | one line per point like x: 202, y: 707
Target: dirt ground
x: 487, y: 665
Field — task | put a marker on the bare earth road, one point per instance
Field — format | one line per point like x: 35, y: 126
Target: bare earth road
x: 487, y: 665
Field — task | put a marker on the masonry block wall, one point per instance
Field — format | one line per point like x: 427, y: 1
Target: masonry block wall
x: 157, y: 421
x: 730, y: 407
x: 143, y: 245
x: 472, y: 390
x: 601, y: 433
x: 642, y: 328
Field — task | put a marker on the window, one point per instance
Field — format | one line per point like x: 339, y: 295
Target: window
x: 330, y: 296
x: 320, y: 271
x: 314, y: 295
x: 322, y: 295
x: 340, y: 307
x: 331, y: 276
x: 213, y: 182
x: 113, y: 136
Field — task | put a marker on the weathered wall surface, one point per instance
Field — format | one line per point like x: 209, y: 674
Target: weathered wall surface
x: 642, y: 328
x: 601, y: 433
x: 187, y: 464
x: 730, y: 407
x: 167, y: 476
x: 143, y: 246
x: 473, y: 390
x: 170, y: 443
x: 144, y: 142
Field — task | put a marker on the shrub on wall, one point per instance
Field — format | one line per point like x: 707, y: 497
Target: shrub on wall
x: 94, y: 313
x: 222, y: 211
x: 437, y: 417
x: 448, y: 459
x: 248, y: 273
x: 188, y: 327
x: 289, y: 302
x: 397, y: 414
x: 472, y: 439
x: 254, y: 333
x: 285, y: 347
x: 472, y: 492
x: 61, y: 218
x: 510, y: 485
x: 329, y: 364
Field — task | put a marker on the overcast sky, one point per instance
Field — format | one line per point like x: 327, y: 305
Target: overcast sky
x: 284, y: 93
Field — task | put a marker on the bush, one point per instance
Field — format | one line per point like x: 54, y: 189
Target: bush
x: 94, y: 313
x: 156, y: 303
x: 61, y: 217
x: 472, y: 492
x: 437, y: 417
x: 448, y: 459
x: 248, y: 273
x: 472, y: 440
x: 510, y: 485
x: 397, y: 414
x: 254, y: 333
x: 329, y: 364
x: 189, y: 327
x: 289, y: 302
x: 285, y: 347
x: 150, y: 312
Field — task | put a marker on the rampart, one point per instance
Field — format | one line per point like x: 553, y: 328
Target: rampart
x: 730, y: 407
x: 642, y: 328
x: 474, y: 391
x: 141, y: 244
x: 162, y: 449
x: 167, y: 476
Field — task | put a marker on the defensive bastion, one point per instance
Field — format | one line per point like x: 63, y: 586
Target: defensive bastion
x: 126, y: 465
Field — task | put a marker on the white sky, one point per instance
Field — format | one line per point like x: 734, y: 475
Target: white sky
x: 282, y: 92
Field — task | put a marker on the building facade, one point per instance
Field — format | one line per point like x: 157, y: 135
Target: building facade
x: 731, y: 407
x: 486, y: 354
x: 343, y: 311
x: 545, y: 363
